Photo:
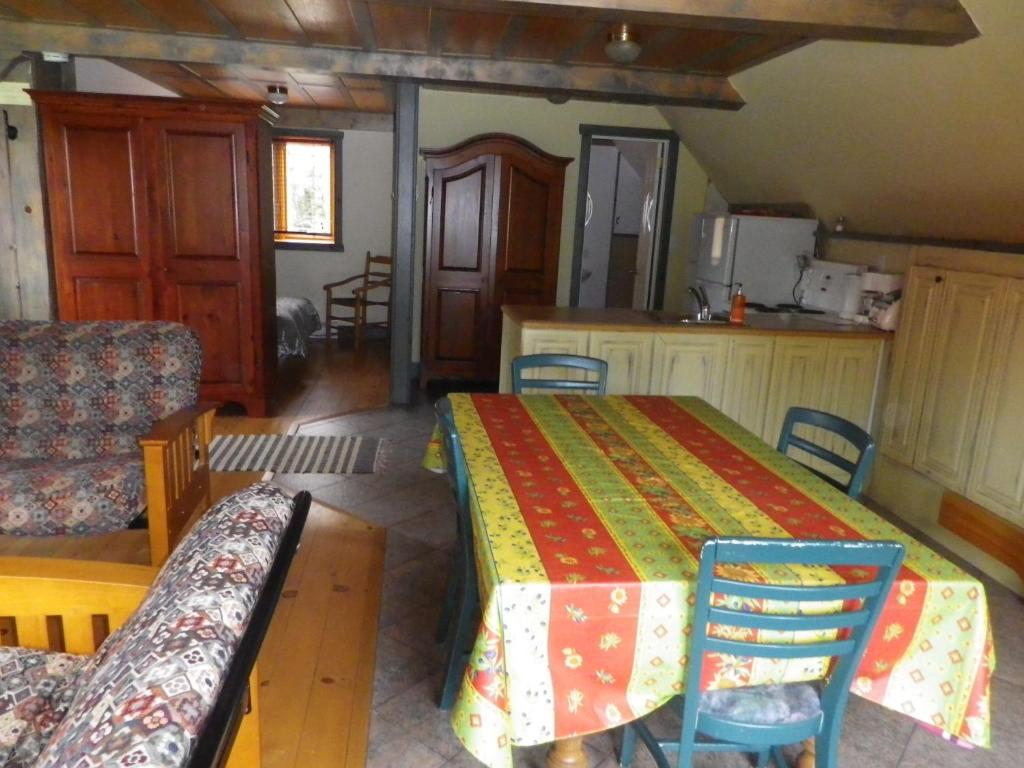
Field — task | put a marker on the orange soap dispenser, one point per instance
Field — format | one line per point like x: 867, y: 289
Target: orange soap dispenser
x: 738, y: 311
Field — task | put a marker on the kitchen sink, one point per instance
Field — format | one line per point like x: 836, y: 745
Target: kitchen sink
x: 687, y: 318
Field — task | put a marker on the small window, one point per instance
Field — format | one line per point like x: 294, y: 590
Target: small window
x: 307, y: 191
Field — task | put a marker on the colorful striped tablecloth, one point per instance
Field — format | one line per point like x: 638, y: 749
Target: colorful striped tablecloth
x: 589, y: 514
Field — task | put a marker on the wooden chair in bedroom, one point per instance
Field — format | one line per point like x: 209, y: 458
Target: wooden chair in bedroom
x: 367, y: 290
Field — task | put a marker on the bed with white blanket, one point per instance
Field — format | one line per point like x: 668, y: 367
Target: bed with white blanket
x: 297, y: 320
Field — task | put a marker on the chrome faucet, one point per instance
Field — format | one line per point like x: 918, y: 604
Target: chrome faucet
x: 703, y: 306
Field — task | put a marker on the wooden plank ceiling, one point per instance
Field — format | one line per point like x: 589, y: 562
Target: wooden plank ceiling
x: 689, y: 47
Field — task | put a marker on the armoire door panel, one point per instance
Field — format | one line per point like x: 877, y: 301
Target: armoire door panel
x: 99, y: 223
x: 216, y: 314
x: 525, y: 230
x: 110, y: 298
x: 203, y: 193
x: 463, y: 240
x: 457, y: 319
x: 101, y: 190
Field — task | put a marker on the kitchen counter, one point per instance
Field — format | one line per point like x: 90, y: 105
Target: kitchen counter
x: 667, y: 322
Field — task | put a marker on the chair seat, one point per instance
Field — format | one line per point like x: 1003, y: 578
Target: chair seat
x: 36, y: 690
x: 70, y: 496
x: 763, y: 704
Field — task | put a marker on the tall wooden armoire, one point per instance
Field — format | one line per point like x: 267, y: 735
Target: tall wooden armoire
x: 160, y: 209
x: 494, y: 221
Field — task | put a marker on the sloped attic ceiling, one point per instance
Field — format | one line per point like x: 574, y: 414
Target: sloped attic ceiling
x: 899, y: 139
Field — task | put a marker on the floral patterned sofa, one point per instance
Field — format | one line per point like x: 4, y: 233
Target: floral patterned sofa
x: 76, y: 399
x: 168, y: 687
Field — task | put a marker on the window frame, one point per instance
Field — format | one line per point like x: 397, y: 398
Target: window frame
x: 336, y: 139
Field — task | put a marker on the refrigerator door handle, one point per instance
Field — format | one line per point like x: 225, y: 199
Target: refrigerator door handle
x: 589, y: 209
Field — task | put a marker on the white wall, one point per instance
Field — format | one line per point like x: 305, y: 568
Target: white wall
x: 366, y: 174
x: 899, y: 139
x: 102, y: 76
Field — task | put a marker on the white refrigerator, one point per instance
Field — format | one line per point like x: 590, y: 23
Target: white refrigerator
x: 763, y: 253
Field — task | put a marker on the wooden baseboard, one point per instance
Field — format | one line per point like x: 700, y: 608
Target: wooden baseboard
x: 992, y: 534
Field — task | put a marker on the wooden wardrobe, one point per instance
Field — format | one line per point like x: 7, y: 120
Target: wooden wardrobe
x: 159, y: 209
x: 494, y: 222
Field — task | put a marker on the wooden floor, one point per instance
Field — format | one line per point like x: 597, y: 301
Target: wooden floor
x: 316, y: 666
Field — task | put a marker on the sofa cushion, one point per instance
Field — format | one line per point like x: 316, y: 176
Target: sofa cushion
x: 36, y: 689
x: 58, y: 497
x: 150, y: 686
x: 81, y: 390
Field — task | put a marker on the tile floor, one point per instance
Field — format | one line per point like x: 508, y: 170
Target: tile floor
x: 408, y: 730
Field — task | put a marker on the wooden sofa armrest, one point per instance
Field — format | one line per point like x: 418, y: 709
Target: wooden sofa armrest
x: 69, y: 605
x: 176, y: 459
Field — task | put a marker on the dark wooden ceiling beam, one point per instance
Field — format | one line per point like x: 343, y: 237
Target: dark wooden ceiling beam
x: 513, y: 29
x: 603, y: 83
x: 926, y: 22
x: 364, y: 24
x: 584, y: 40
x: 438, y: 31
x: 223, y: 23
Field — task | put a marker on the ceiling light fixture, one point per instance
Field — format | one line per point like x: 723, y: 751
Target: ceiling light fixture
x: 623, y: 46
x: 277, y: 94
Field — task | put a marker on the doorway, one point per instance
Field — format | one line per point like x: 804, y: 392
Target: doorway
x: 626, y: 188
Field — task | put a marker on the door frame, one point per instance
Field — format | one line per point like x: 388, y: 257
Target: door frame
x: 588, y: 132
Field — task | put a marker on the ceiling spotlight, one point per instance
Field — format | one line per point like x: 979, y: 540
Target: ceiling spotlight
x: 277, y: 94
x: 623, y: 46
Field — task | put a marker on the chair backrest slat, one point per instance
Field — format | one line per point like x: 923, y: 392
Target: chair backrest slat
x: 794, y: 592
x: 588, y: 365
x: 789, y: 622
x: 850, y: 432
x: 834, y: 648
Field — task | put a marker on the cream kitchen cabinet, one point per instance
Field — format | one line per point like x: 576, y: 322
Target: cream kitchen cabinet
x: 911, y: 352
x: 550, y: 341
x: 851, y: 370
x: 996, y: 478
x: 629, y: 357
x: 798, y: 378
x: 748, y: 372
x: 690, y: 364
x: 963, y: 338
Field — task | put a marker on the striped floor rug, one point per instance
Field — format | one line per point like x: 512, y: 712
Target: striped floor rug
x: 328, y: 454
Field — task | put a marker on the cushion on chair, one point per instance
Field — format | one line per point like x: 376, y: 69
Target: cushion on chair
x: 763, y: 704
x: 151, y: 685
x: 81, y: 390
x: 36, y: 689
x: 58, y: 497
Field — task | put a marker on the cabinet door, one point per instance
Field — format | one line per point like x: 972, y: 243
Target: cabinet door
x: 629, y: 360
x: 963, y: 340
x: 456, y: 296
x: 798, y: 376
x: 747, y: 373
x: 99, y: 219
x: 690, y: 364
x: 911, y: 353
x: 851, y: 372
x: 526, y: 247
x: 997, y: 472
x: 207, y: 259
x: 555, y: 342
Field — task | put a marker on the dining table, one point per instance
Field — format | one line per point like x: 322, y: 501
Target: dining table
x: 589, y: 513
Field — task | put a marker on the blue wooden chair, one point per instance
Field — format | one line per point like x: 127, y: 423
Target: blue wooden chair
x: 861, y: 440
x: 461, y: 607
x: 590, y: 365
x: 760, y: 719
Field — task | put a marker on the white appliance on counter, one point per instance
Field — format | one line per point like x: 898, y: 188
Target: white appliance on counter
x: 763, y: 253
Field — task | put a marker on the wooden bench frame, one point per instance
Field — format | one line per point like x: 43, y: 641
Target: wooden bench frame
x: 176, y: 460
